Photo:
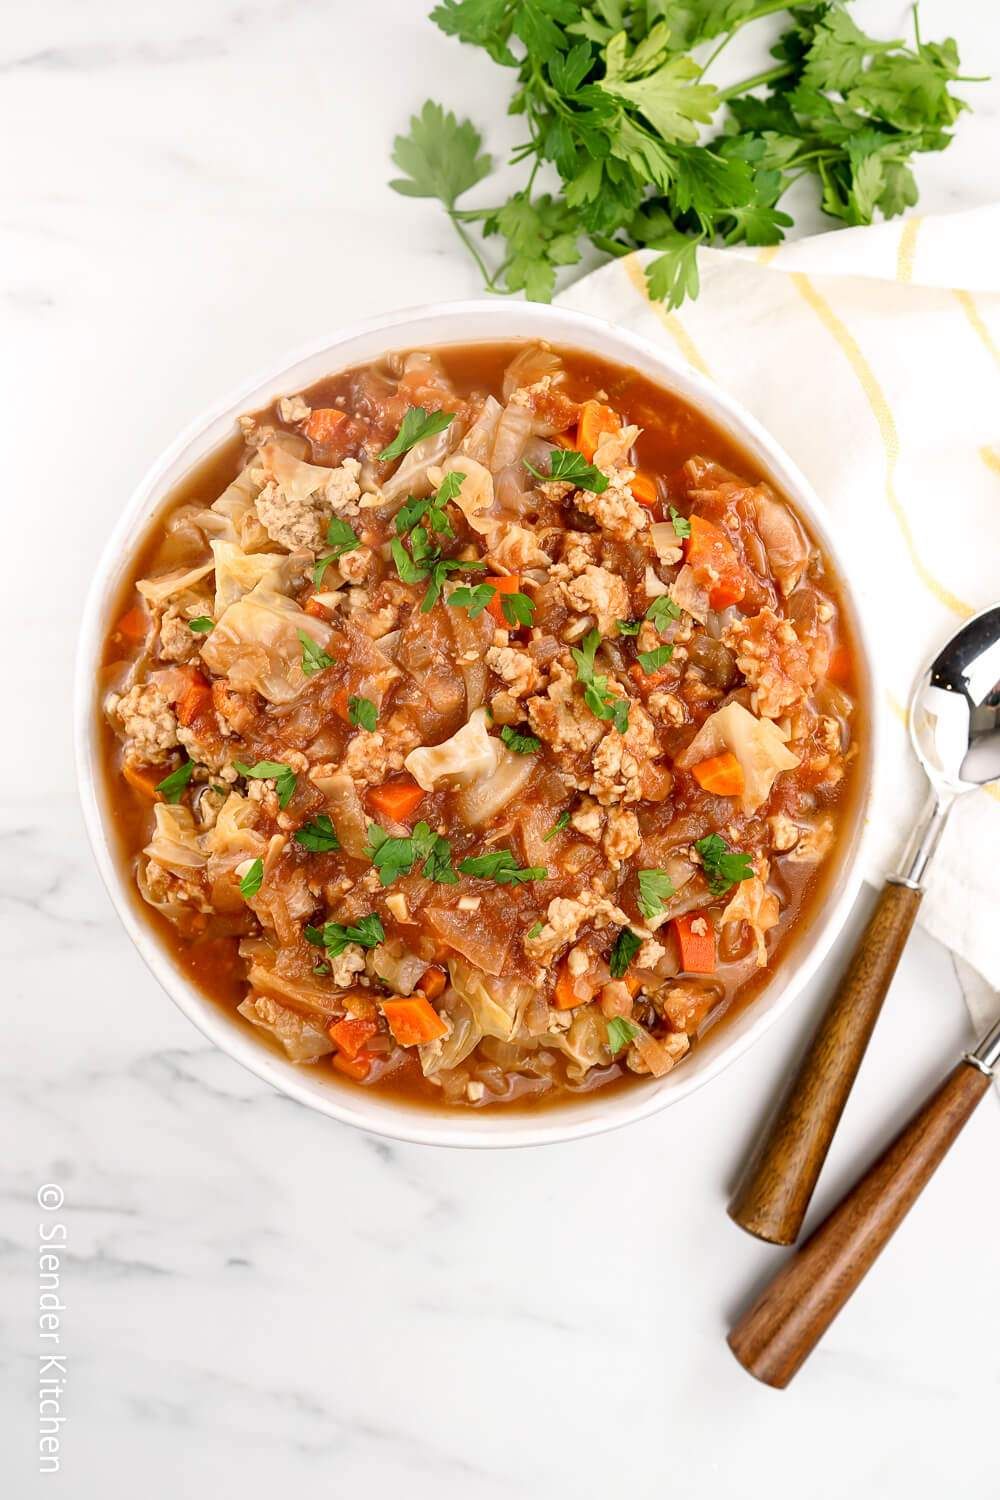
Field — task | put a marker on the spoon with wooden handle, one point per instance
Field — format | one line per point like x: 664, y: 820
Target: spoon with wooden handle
x: 784, y: 1325
x: 955, y: 729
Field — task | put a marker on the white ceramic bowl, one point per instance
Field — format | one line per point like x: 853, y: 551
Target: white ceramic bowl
x: 456, y: 323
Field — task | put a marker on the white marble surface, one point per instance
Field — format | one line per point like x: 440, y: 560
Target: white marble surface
x: 254, y: 1297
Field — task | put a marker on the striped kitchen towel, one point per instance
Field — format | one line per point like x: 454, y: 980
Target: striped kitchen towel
x: 873, y: 356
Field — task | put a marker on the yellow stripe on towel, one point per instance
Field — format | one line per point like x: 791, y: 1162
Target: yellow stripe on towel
x: 670, y: 321
x: 907, y: 248
x: 974, y: 316
x: 890, y: 437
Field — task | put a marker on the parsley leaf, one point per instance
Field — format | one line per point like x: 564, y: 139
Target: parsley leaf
x: 252, y: 880
x: 681, y: 524
x: 652, y: 661
x: 534, y: 930
x: 416, y: 425
x: 340, y: 539
x: 621, y: 1031
x: 501, y: 866
x: 560, y: 823
x: 724, y: 866
x: 318, y: 835
x: 517, y: 609
x: 597, y: 695
x: 521, y: 744
x: 662, y: 610
x: 362, y: 711
x: 430, y: 510
x: 314, y: 658
x: 627, y: 945
x: 266, y: 770
x: 655, y: 889
x: 474, y: 600
x: 568, y: 465
x: 629, y: 627
x: 171, y: 788
x: 202, y: 625
x: 425, y: 561
x: 334, y: 936
x: 393, y: 857
x: 440, y: 156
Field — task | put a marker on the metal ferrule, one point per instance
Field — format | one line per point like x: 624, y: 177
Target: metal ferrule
x: 924, y: 840
x: 987, y: 1054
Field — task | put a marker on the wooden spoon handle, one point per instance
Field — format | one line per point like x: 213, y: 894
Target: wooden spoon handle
x: 791, y: 1315
x: 777, y: 1183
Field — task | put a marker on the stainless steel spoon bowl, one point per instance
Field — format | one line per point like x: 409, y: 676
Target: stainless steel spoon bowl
x: 955, y: 728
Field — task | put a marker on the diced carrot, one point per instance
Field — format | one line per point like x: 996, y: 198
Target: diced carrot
x: 340, y: 702
x: 562, y: 440
x: 398, y: 800
x: 355, y: 1067
x: 695, y: 942
x: 195, y: 699
x: 133, y: 624
x: 720, y: 774
x: 839, y: 667
x: 350, y: 1034
x: 143, y: 779
x: 632, y: 983
x: 644, y: 490
x: 316, y: 609
x: 565, y: 996
x: 596, y: 421
x: 510, y: 583
x: 323, y: 424
x: 648, y: 682
x: 433, y: 983
x: 413, y: 1021
x: 709, y: 551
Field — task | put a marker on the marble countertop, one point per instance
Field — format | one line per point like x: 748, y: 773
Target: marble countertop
x: 254, y: 1298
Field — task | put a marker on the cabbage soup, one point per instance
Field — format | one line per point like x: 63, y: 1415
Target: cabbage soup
x: 480, y: 724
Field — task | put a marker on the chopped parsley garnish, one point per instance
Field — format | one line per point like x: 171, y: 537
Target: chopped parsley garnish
x: 321, y: 969
x: 534, y: 931
x: 518, y: 609
x: 621, y: 1031
x: 318, y: 835
x: 340, y: 539
x: 314, y: 658
x: 474, y: 599
x: 171, y: 788
x: 425, y: 561
x: 334, y: 936
x: 202, y: 625
x: 501, y: 866
x: 602, y: 703
x: 662, y: 610
x: 430, y: 510
x: 724, y: 866
x: 627, y: 945
x: 416, y: 425
x: 681, y: 524
x: 521, y: 744
x: 652, y: 661
x: 560, y: 823
x: 267, y: 770
x: 629, y: 627
x: 655, y: 889
x: 393, y: 857
x: 362, y: 711
x: 567, y: 464
x: 252, y: 880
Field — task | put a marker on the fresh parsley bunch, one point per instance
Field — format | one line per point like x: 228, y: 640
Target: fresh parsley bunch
x: 612, y: 99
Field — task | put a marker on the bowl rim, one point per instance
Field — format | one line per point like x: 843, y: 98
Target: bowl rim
x: 380, y: 1114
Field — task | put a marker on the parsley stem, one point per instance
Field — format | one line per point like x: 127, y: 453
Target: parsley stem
x: 768, y: 8
x: 770, y: 75
x: 470, y: 245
